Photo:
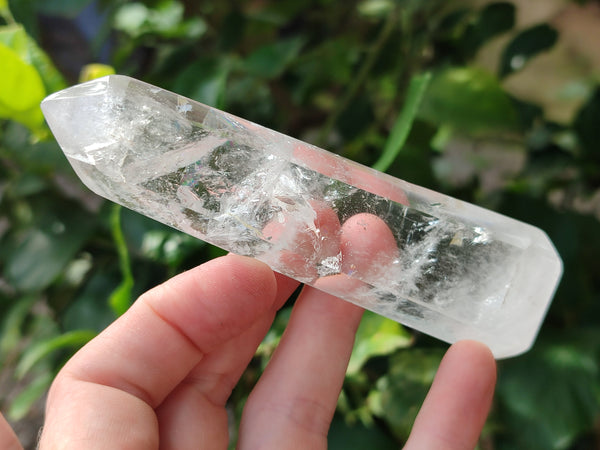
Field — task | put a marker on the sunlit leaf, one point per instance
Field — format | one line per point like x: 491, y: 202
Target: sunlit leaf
x: 21, y: 90
x: 467, y: 98
x: 131, y: 18
x: 376, y: 336
x: 17, y: 39
x: 166, y: 20
x: 93, y: 71
x: 399, y: 394
x: 375, y: 8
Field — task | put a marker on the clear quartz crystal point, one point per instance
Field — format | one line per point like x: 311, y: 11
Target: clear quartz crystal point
x: 456, y: 271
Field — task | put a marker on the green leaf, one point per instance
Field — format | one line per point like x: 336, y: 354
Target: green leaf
x: 166, y: 20
x: 559, y: 383
x: 16, y: 38
x: 11, y: 325
x: 399, y: 394
x: 469, y: 99
x: 39, y: 255
x: 41, y: 350
x: 375, y: 8
x: 5, y: 12
x: 376, y: 336
x: 496, y: 18
x: 39, y: 157
x: 21, y: 90
x: 402, y: 126
x: 341, y: 56
x: 344, y: 436
x: 525, y: 46
x: 587, y: 129
x: 131, y: 18
x: 204, y: 80
x: 23, y: 402
x: 271, y: 60
x: 89, y: 309
x: 93, y: 71
x: 169, y: 246
x: 493, y: 20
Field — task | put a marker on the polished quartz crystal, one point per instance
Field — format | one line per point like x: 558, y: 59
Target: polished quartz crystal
x: 439, y: 265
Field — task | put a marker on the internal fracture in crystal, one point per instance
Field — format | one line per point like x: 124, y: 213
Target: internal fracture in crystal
x: 454, y: 270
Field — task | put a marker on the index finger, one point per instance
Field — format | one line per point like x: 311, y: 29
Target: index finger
x: 110, y: 388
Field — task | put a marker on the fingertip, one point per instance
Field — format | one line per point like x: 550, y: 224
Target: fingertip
x: 459, y: 400
x: 302, y: 242
x: 255, y: 275
x: 242, y: 277
x: 469, y: 364
x: 479, y: 356
x: 367, y: 244
x: 476, y: 348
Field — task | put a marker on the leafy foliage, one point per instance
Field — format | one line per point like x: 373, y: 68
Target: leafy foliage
x: 402, y: 85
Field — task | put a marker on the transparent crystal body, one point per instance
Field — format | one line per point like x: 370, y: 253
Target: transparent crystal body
x: 459, y: 272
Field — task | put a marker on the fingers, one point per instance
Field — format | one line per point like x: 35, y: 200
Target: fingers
x: 8, y: 438
x: 305, y: 245
x: 107, y: 392
x: 368, y: 245
x: 459, y: 400
x: 197, y: 405
x: 295, y: 399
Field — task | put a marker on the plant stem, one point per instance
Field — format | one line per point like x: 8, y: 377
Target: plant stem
x: 402, y: 126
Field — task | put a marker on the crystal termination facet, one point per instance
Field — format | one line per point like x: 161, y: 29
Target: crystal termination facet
x: 458, y: 272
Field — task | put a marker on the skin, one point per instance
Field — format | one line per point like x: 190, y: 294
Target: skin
x: 160, y: 376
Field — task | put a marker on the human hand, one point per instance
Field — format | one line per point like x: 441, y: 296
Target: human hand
x: 160, y: 376
x: 162, y: 373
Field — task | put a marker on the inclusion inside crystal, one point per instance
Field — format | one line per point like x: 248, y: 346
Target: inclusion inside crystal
x: 459, y: 272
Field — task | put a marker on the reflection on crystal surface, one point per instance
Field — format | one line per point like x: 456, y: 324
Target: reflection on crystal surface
x: 458, y: 271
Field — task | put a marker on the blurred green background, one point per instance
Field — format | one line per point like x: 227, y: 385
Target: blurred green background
x: 496, y: 103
